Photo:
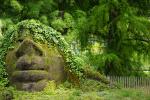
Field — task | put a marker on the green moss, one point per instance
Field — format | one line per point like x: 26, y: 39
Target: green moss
x: 29, y: 75
x: 90, y: 85
x: 50, y: 50
x: 50, y: 87
x: 40, y: 85
x: 25, y: 48
x: 74, y: 94
x: 92, y: 74
x: 6, y: 93
x: 11, y: 62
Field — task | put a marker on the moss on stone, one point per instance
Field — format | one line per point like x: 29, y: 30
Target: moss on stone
x: 6, y: 93
x: 91, y: 74
x: 10, y: 62
x: 50, y: 87
x: 29, y: 76
x: 90, y: 85
x: 28, y: 47
x: 40, y: 85
x: 30, y: 63
x: 31, y: 86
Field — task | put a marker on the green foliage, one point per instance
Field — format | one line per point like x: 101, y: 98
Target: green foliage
x: 74, y: 94
x: 82, y: 27
x: 6, y: 93
x: 118, y: 94
x: 3, y: 77
x: 142, y: 6
x: 5, y: 24
x: 50, y: 88
x: 43, y: 19
x: 99, y: 19
x: 92, y: 85
x: 16, y: 6
x: 59, y: 25
x: 17, y: 10
x: 123, y: 32
x: 100, y: 60
x: 62, y: 24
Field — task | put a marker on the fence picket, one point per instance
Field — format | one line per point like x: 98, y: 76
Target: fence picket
x: 137, y: 83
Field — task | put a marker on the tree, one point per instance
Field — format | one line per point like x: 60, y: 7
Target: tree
x: 125, y: 34
x: 142, y: 6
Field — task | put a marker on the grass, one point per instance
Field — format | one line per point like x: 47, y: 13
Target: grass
x: 77, y: 94
x: 59, y: 94
x: 67, y: 92
x: 124, y: 94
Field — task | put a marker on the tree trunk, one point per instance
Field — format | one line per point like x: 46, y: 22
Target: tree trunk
x: 111, y: 41
x: 61, y: 6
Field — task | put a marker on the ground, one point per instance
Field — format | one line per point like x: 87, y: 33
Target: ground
x: 74, y: 94
x: 62, y: 92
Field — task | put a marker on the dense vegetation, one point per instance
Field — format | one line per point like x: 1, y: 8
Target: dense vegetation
x: 120, y: 27
x: 110, y: 36
x: 76, y: 94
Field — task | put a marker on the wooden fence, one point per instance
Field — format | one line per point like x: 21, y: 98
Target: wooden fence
x: 137, y: 83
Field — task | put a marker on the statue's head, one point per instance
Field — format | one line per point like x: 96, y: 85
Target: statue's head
x: 31, y: 65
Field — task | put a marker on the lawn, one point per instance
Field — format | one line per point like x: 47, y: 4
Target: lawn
x: 62, y: 93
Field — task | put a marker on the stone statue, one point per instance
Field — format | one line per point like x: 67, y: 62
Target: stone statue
x: 31, y: 65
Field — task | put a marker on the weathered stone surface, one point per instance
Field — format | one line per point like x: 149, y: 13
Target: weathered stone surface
x: 31, y: 86
x: 28, y: 47
x: 30, y: 63
x: 29, y: 75
x: 55, y: 71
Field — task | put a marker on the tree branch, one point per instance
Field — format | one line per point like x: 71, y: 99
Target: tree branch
x: 139, y: 39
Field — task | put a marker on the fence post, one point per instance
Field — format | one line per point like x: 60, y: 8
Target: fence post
x: 137, y: 83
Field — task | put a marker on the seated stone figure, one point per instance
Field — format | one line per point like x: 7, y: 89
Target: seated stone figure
x: 31, y: 65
